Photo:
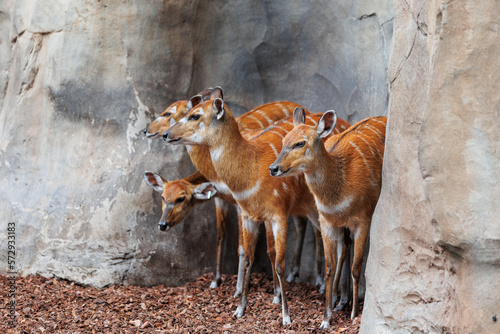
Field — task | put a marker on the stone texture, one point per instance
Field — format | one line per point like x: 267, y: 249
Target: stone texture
x: 80, y: 79
x: 433, y: 263
x: 461, y: 162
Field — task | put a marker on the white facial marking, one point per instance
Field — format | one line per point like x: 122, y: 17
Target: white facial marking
x: 172, y: 121
x: 201, y: 125
x: 158, y: 119
x: 308, y: 153
x: 189, y: 148
x: 183, y: 120
x: 216, y: 153
x: 242, y: 195
x: 334, y: 209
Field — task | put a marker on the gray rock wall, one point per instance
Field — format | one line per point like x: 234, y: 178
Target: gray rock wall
x: 434, y: 255
x: 80, y: 79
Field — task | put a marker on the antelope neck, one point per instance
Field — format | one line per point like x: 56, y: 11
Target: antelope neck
x: 234, y: 157
x: 325, y: 170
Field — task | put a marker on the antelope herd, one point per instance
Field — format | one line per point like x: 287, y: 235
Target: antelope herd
x: 274, y: 162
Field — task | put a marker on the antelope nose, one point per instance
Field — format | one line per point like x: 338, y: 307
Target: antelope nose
x: 145, y: 130
x: 274, y: 169
x: 165, y: 135
x: 163, y: 226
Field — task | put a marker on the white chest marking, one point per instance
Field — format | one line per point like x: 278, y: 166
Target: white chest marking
x: 216, y: 153
x: 335, y: 209
x: 242, y: 195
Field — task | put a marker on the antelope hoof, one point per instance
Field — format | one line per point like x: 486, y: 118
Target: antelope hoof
x: 342, y: 304
x: 237, y: 293
x: 239, y: 312
x: 319, y: 281
x: 324, y: 325
x: 292, y: 276
x: 286, y: 320
x: 354, y: 314
x: 276, y: 299
x: 213, y: 285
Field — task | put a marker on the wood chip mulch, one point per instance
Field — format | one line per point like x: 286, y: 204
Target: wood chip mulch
x: 47, y: 305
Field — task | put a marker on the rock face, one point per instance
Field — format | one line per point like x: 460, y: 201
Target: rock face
x: 80, y: 79
x: 434, y: 256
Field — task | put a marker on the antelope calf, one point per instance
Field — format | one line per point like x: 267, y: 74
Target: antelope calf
x: 344, y: 174
x: 242, y: 166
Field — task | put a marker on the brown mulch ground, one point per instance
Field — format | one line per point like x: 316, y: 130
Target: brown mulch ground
x: 46, y: 305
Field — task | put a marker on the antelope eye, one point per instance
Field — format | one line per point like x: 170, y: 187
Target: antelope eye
x: 299, y: 144
x: 180, y: 200
x: 194, y: 117
x: 167, y: 114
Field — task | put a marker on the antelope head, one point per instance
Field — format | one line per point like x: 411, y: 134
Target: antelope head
x: 178, y: 198
x: 300, y: 144
x: 199, y: 125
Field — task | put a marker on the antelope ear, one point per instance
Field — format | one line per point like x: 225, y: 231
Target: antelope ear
x: 218, y: 106
x: 205, y: 94
x: 194, y: 101
x: 327, y: 123
x: 204, y: 191
x: 154, y: 180
x: 299, y: 116
x: 217, y: 93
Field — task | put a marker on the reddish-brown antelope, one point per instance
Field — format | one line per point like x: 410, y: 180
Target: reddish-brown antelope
x: 171, y: 115
x: 242, y: 166
x: 251, y: 124
x: 344, y: 174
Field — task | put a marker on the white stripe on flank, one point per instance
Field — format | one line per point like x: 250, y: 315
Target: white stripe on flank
x: 335, y: 209
x: 215, y: 153
x: 277, y: 133
x: 275, y: 192
x: 364, y: 159
x: 285, y: 187
x: 313, y: 120
x: 274, y: 149
x: 369, y: 146
x: 263, y: 113
x: 375, y: 130
x: 257, y: 120
x: 242, y: 195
